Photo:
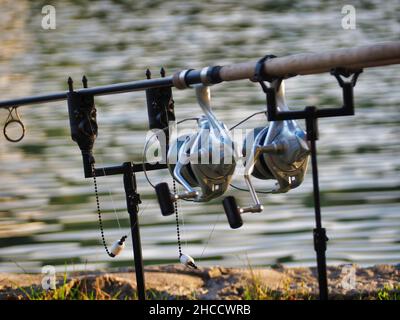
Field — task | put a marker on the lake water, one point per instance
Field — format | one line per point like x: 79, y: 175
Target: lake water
x: 47, y: 209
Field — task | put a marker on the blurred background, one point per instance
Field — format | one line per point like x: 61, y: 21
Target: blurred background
x: 47, y: 209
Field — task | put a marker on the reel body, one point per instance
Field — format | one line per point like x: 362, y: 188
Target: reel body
x: 205, y: 159
x: 279, y: 151
x: 284, y: 155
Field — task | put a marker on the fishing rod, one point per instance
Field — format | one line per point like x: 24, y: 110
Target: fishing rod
x: 279, y: 151
x: 375, y: 55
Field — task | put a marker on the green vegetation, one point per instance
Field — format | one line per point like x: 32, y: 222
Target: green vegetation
x: 67, y: 292
x: 389, y: 293
x: 256, y: 289
x: 103, y: 288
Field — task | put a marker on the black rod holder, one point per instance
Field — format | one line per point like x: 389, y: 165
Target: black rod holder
x: 311, y: 115
x: 160, y: 111
x: 83, y: 124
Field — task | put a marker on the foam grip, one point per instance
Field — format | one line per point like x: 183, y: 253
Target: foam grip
x: 164, y: 199
x: 232, y: 212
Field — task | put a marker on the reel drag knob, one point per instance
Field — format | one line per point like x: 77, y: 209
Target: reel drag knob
x: 164, y: 199
x: 232, y: 212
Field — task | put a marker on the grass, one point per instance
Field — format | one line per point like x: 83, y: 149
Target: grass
x: 81, y: 292
x: 67, y: 292
x: 84, y: 290
x: 389, y: 293
x: 255, y: 289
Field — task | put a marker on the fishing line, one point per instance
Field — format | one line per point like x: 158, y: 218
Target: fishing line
x: 247, y: 190
x: 119, y: 245
x: 238, y: 188
x: 180, y: 254
x: 246, y: 119
x: 140, y: 213
x: 210, y: 235
x: 146, y: 146
x: 236, y: 125
x: 104, y: 173
x: 175, y: 187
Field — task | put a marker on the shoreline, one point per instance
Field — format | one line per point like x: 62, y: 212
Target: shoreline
x: 170, y: 282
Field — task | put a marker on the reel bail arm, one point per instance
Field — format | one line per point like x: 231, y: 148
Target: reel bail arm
x: 232, y: 210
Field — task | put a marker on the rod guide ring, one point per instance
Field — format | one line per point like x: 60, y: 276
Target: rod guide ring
x: 10, y: 119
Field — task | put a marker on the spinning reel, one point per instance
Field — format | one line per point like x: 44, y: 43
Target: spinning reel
x: 279, y: 151
x: 205, y: 160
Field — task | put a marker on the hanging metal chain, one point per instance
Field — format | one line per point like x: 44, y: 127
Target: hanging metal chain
x: 178, y: 234
x: 99, y: 212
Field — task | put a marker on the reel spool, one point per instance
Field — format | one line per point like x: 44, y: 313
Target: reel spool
x: 204, y: 160
x: 279, y: 152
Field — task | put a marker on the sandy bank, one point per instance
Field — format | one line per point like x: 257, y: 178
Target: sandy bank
x: 177, y: 282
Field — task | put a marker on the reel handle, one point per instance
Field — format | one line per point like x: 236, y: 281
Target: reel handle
x: 233, y: 211
x: 166, y: 199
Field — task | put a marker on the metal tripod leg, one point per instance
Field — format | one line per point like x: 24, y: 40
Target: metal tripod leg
x: 133, y: 201
x: 319, y: 233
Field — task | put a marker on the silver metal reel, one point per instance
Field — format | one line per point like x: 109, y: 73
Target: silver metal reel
x: 279, y: 152
x: 206, y: 159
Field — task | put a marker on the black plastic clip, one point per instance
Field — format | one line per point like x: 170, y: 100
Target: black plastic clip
x: 260, y: 76
x: 259, y: 73
x: 338, y: 72
x: 135, y: 198
x: 320, y: 239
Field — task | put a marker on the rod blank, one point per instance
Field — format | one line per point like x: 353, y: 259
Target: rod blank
x: 368, y: 56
